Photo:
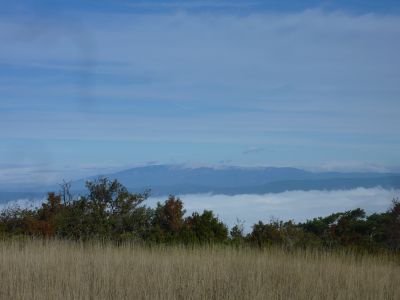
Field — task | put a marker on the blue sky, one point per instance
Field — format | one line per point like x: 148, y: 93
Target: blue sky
x: 94, y: 86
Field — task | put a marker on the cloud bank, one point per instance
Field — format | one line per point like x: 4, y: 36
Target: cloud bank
x: 293, y: 205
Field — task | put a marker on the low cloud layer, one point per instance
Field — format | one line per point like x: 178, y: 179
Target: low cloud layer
x: 293, y: 205
x: 22, y: 203
x: 296, y: 205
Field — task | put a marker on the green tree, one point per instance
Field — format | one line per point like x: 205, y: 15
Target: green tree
x: 109, y: 211
x: 266, y: 234
x: 393, y: 229
x: 206, y: 228
x: 236, y: 233
x: 168, y: 220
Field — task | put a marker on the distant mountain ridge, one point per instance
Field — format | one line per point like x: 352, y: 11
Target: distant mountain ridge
x: 174, y: 179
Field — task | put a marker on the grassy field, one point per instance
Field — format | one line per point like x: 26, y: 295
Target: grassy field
x: 62, y: 270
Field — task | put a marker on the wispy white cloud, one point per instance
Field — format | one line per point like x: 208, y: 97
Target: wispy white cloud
x: 295, y: 83
x: 25, y: 176
x: 193, y: 4
x: 351, y: 166
x: 253, y: 150
x: 296, y: 69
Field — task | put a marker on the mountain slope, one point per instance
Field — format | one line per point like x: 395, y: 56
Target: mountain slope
x: 171, y: 179
x: 164, y: 179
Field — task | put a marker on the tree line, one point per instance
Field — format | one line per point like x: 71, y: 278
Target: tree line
x: 108, y: 211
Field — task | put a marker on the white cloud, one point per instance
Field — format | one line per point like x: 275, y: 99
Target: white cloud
x: 296, y: 205
x: 193, y: 4
x: 293, y: 205
x: 22, y: 203
x: 253, y: 150
x: 307, y: 68
x: 25, y: 176
x: 355, y: 166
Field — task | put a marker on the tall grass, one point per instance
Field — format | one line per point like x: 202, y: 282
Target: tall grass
x: 66, y: 270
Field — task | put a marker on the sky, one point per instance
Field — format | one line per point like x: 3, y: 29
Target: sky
x: 94, y: 86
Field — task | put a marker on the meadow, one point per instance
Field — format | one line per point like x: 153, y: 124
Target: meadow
x: 55, y: 269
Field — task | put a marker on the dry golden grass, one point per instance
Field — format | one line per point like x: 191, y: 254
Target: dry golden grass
x: 62, y: 270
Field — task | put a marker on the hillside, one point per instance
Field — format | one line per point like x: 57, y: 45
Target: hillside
x: 174, y: 179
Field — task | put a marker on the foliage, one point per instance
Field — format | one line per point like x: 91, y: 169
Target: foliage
x: 206, y: 228
x: 110, y: 212
x: 168, y: 220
